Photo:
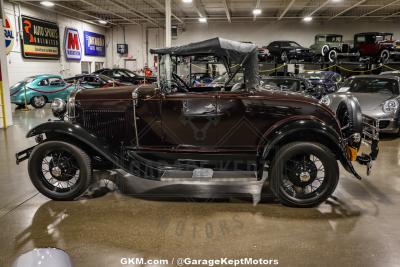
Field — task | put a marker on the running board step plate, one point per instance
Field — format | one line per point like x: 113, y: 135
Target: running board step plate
x: 203, y: 174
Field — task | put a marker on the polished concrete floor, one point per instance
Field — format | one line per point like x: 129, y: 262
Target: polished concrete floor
x: 361, y: 227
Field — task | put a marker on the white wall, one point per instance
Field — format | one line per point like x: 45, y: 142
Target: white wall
x: 261, y: 33
x: 135, y: 37
x: 19, y: 68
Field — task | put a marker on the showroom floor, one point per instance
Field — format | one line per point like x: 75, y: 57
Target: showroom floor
x: 360, y: 228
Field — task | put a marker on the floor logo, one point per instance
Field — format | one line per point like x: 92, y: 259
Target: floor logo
x: 8, y: 35
x: 72, y: 44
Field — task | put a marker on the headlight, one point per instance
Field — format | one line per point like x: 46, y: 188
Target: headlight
x: 325, y: 100
x: 59, y: 107
x: 390, y: 106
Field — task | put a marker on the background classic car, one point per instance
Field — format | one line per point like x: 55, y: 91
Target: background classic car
x: 290, y: 52
x: 377, y: 45
x: 191, y: 139
x: 126, y: 76
x: 39, y: 90
x: 328, y: 81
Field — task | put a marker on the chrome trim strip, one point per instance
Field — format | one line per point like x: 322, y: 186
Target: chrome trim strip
x: 135, y: 101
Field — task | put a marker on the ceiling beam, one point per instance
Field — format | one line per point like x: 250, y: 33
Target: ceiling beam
x: 347, y: 9
x: 198, y: 7
x: 109, y: 11
x: 321, y: 6
x: 120, y: 4
x: 379, y: 8
x: 161, y: 9
x: 227, y: 12
x: 80, y: 12
x: 390, y: 16
x: 60, y: 13
x: 286, y: 9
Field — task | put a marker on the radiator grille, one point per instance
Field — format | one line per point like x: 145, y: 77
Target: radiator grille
x: 107, y: 124
x: 345, y: 48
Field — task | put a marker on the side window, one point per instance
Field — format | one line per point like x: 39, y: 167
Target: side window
x: 56, y: 82
x: 44, y: 82
x: 108, y: 73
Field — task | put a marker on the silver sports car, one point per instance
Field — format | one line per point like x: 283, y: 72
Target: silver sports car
x: 378, y: 96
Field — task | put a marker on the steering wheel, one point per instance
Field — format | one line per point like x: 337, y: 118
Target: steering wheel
x: 181, y: 83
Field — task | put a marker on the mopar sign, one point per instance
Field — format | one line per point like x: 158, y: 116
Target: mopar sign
x: 8, y: 35
x: 72, y: 44
x: 94, y: 44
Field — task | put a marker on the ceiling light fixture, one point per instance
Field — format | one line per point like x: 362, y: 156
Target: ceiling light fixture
x: 256, y: 11
x: 47, y: 3
x: 187, y: 1
x: 203, y: 20
x: 102, y: 21
x: 307, y: 19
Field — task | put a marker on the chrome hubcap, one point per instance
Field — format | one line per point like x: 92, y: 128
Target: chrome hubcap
x: 304, y: 176
x: 56, y: 171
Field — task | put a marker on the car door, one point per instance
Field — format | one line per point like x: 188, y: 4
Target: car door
x: 189, y: 120
x: 238, y: 126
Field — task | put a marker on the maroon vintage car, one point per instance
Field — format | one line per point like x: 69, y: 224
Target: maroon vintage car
x: 377, y: 45
x: 200, y: 141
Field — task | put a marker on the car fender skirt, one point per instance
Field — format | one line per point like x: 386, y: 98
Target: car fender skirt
x: 304, y: 130
x: 59, y: 129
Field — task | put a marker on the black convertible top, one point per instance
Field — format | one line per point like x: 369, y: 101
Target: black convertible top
x: 232, y: 52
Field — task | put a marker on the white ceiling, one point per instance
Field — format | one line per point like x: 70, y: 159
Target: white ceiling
x: 152, y: 12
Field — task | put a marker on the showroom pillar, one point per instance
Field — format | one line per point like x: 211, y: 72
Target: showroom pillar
x: 5, y: 104
x: 168, y: 40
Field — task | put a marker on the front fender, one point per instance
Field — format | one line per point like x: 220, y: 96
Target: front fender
x: 305, y: 130
x: 60, y: 129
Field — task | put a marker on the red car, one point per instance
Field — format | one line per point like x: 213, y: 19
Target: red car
x: 377, y: 45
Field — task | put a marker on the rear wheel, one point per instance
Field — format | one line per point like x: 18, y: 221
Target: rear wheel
x: 38, y: 101
x: 384, y: 56
x: 59, y: 170
x: 332, y: 56
x: 303, y: 174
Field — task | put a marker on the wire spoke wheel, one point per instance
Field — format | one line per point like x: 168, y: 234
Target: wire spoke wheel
x: 59, y: 171
x: 304, y: 176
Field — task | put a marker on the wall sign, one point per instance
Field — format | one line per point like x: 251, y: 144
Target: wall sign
x: 9, y: 35
x: 40, y: 39
x: 95, y: 44
x: 72, y: 44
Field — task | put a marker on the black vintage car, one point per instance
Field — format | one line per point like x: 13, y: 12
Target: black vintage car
x: 126, y: 76
x: 200, y: 141
x: 290, y: 52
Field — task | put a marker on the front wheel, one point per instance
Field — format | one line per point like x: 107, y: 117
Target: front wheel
x: 59, y: 170
x: 303, y: 174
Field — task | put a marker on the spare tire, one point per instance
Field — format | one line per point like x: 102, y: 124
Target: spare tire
x: 349, y: 116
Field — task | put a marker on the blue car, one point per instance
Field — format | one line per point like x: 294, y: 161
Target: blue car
x: 39, y: 90
x: 328, y: 80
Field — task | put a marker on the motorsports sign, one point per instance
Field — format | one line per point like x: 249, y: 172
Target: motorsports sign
x: 95, y: 44
x: 40, y: 39
x: 72, y: 44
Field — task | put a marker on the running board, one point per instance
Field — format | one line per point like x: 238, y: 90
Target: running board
x: 202, y: 183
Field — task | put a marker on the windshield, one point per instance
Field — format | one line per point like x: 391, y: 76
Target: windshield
x: 315, y: 75
x: 292, y: 44
x: 334, y: 38
x: 371, y: 85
